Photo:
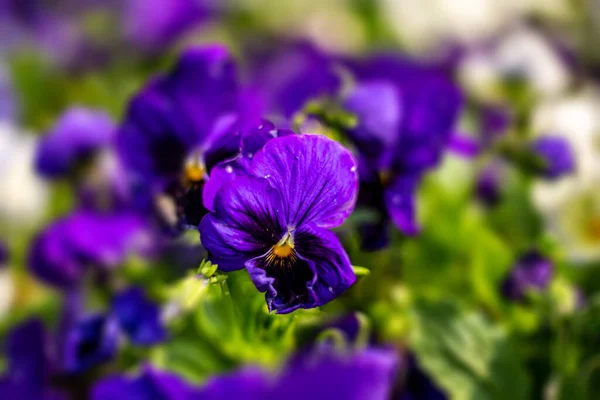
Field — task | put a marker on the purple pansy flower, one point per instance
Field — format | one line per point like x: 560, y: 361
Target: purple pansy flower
x: 532, y: 271
x: 90, y: 342
x: 557, y: 156
x: 78, y: 135
x: 138, y: 317
x: 275, y: 221
x: 148, y: 385
x: 62, y: 252
x: 406, y: 118
x: 177, y: 128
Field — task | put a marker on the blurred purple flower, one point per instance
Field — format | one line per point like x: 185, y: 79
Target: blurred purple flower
x: 62, y: 252
x: 7, y: 100
x: 155, y: 24
x: 138, y: 317
x: 150, y: 384
x: 177, y: 128
x: 275, y: 222
x: 406, y: 118
x: 91, y: 341
x: 557, y: 156
x: 368, y: 374
x: 76, y: 137
x: 28, y: 371
x: 294, y: 74
x: 532, y: 271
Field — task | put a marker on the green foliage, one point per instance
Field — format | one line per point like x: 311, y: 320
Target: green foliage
x: 467, y: 355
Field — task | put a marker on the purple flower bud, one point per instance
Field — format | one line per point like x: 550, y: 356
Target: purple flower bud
x: 532, y: 271
x: 488, y: 188
x: 557, y: 156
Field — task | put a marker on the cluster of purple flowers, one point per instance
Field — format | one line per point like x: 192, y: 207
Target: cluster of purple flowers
x: 195, y: 152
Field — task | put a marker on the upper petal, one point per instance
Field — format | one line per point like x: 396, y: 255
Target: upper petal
x: 316, y: 176
x: 247, y: 221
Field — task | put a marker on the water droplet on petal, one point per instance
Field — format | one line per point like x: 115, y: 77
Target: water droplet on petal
x: 229, y: 169
x: 353, y: 169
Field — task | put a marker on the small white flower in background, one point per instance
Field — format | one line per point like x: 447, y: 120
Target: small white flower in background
x: 571, y: 206
x: 522, y: 52
x: 23, y: 195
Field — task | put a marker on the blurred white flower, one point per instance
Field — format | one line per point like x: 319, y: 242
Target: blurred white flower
x: 23, y: 195
x: 425, y: 25
x: 571, y: 206
x: 522, y: 52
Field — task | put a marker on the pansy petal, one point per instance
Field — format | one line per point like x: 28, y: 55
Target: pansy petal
x: 246, y: 222
x: 378, y: 109
x: 220, y: 175
x: 399, y: 200
x: 316, y: 176
x: 318, y: 272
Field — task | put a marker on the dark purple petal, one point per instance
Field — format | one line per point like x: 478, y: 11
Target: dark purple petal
x: 26, y: 348
x: 399, y: 199
x: 532, y: 271
x: 91, y: 342
x: 247, y: 222
x: 317, y: 272
x: 220, y: 175
x: 151, y: 384
x: 377, y: 107
x: 557, y: 156
x: 317, y: 178
x: 365, y: 375
x: 138, y: 317
x: 77, y: 135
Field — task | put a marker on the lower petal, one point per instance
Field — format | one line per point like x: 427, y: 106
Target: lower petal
x: 399, y: 200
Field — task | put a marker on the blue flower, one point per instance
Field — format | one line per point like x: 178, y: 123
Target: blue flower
x: 406, y: 118
x: 138, y: 317
x: 78, y: 135
x: 275, y: 221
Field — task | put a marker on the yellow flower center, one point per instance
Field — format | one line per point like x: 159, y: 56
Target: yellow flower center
x: 282, y: 253
x: 193, y: 173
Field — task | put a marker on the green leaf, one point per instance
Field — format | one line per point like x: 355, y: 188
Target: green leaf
x: 467, y: 356
x: 360, y: 271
